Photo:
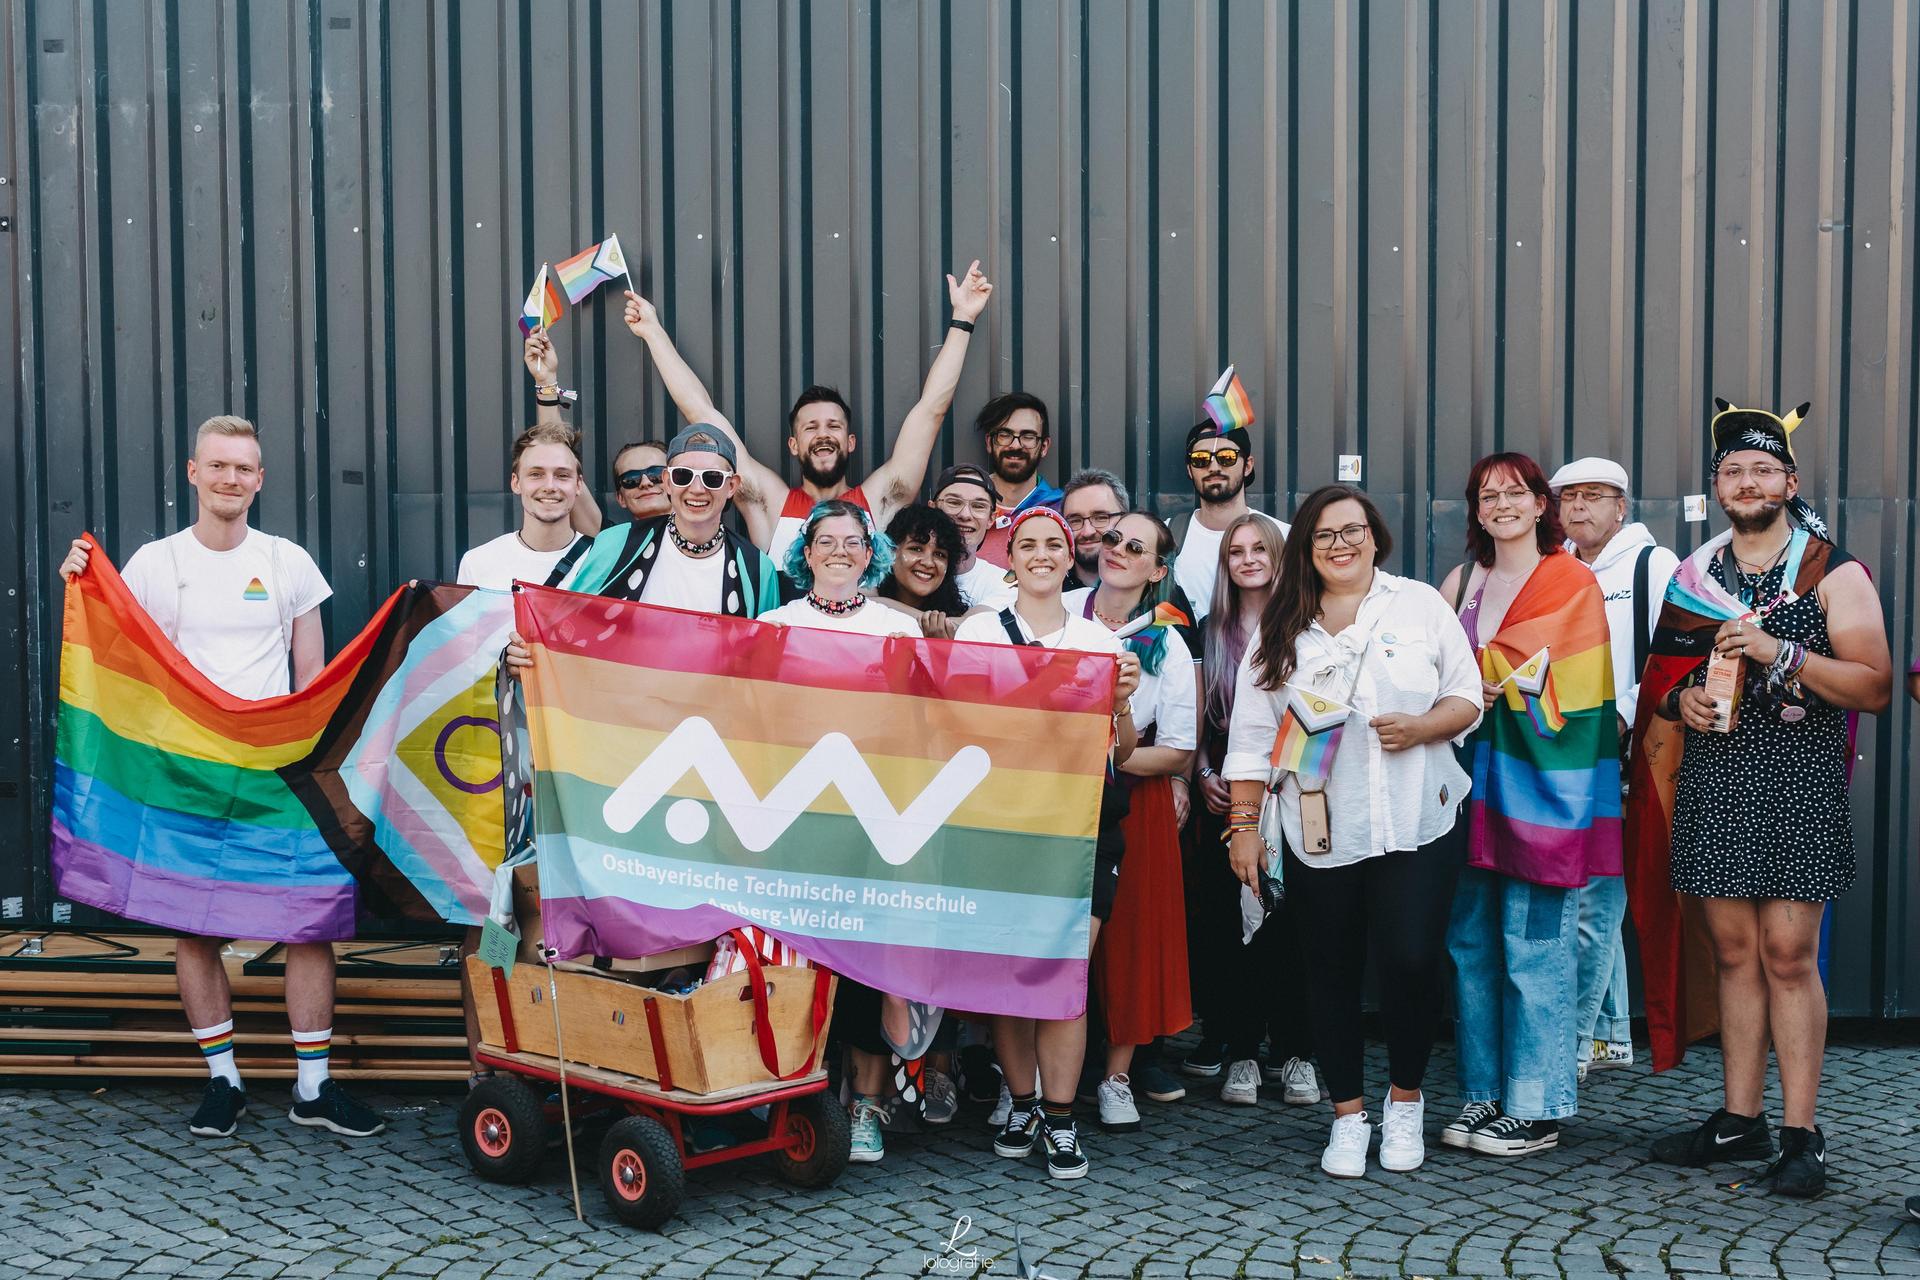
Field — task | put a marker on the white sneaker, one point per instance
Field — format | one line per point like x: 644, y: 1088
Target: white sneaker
x: 1117, y: 1112
x: 1403, y: 1141
x: 1611, y: 1053
x: 1300, y: 1087
x: 997, y: 1118
x: 1346, y: 1153
x: 1242, y: 1088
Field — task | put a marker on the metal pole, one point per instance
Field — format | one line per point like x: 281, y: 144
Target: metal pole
x: 566, y: 1112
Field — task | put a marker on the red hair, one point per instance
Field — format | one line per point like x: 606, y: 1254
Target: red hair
x: 1548, y: 533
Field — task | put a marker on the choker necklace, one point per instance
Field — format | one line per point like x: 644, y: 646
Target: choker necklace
x: 1113, y: 624
x: 694, y: 550
x: 836, y: 608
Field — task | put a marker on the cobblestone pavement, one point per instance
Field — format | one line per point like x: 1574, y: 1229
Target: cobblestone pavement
x: 109, y: 1184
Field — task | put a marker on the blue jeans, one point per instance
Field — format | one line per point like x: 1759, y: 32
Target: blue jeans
x: 1514, y: 948
x: 1602, y: 1012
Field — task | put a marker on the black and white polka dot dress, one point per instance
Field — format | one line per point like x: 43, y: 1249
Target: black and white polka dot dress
x: 1763, y: 812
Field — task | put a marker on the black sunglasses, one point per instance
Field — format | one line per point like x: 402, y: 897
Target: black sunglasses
x: 711, y: 477
x: 645, y: 475
x: 1132, y: 546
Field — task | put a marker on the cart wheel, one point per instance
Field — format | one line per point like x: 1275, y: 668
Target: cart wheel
x: 503, y: 1129
x: 820, y: 1139
x: 640, y: 1172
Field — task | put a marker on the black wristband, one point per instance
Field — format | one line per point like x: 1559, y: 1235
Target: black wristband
x: 964, y: 326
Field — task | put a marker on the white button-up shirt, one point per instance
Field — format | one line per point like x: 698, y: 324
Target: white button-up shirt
x: 1404, y: 652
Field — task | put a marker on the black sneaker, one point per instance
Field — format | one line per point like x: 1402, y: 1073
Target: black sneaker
x: 336, y: 1109
x: 220, y: 1110
x: 1913, y: 1208
x: 1473, y: 1116
x: 1206, y: 1061
x: 1017, y: 1136
x: 979, y: 1076
x: 1722, y: 1136
x: 1801, y: 1170
x: 1065, y: 1159
x: 1512, y: 1136
x: 1157, y: 1083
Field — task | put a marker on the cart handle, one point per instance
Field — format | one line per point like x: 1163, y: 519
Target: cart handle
x: 763, y: 1022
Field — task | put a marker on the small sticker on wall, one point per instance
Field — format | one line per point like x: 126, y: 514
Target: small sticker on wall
x: 1349, y: 469
x: 1694, y: 507
x: 12, y: 908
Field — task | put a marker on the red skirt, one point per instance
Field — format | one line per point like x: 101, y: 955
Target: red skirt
x: 1140, y: 963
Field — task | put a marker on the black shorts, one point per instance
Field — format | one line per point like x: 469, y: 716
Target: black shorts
x: 856, y: 1017
x: 1106, y: 883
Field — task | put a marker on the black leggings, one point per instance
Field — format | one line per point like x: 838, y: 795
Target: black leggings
x: 1403, y: 900
x: 1241, y: 994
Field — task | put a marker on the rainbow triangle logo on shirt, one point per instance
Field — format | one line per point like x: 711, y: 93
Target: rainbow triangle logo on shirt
x: 256, y: 590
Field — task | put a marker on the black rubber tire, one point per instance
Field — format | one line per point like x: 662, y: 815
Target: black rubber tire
x: 518, y: 1123
x: 640, y: 1147
x: 820, y: 1116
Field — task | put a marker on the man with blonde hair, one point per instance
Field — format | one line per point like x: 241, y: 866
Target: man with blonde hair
x: 238, y: 603
x: 545, y: 474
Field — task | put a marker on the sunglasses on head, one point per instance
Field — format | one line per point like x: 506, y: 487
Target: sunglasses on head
x: 1226, y: 456
x: 645, y: 475
x: 1132, y: 546
x: 710, y: 477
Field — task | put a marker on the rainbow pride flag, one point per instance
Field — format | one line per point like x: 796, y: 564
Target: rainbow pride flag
x: 876, y: 803
x: 179, y: 805
x: 1227, y: 404
x: 543, y: 307
x: 1309, y: 735
x: 1545, y: 807
x: 590, y: 268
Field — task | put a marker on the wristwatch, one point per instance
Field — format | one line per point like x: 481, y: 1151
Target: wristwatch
x: 1206, y: 771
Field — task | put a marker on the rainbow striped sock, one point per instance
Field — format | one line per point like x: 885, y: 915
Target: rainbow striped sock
x: 216, y: 1042
x: 311, y: 1054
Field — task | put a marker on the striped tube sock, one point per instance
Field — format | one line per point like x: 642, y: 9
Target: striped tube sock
x: 310, y: 1055
x: 216, y: 1042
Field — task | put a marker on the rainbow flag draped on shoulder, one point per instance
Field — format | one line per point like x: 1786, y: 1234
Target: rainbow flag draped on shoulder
x: 179, y: 805
x: 1545, y: 805
x: 916, y: 815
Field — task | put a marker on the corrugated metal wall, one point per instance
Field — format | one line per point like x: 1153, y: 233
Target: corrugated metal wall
x: 1423, y: 230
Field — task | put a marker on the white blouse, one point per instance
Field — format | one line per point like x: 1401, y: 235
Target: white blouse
x: 1408, y: 651
x: 1168, y: 697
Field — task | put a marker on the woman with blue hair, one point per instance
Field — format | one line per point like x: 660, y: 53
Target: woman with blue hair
x: 836, y: 559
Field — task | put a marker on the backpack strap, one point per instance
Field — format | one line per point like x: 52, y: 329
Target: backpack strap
x: 282, y: 599
x: 1641, y: 640
x: 1178, y: 527
x: 566, y: 562
x: 1012, y: 624
x: 1460, y: 592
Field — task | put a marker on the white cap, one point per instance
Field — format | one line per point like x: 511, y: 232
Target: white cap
x: 1591, y: 471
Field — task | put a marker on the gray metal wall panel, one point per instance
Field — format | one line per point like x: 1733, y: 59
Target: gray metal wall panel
x: 1421, y: 229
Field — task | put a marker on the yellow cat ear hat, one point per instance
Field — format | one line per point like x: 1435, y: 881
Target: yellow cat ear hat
x: 1735, y: 429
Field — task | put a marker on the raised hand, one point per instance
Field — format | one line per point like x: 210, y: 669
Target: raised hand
x: 543, y: 362
x: 640, y: 316
x: 76, y: 562
x: 968, y: 296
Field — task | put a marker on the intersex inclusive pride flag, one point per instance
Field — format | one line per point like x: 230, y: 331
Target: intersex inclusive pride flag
x: 917, y: 815
x: 179, y: 805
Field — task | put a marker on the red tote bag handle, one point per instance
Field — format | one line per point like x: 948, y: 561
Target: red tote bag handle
x: 762, y: 1017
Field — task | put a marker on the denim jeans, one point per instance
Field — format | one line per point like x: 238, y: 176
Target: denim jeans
x: 1514, y: 948
x: 1602, y: 1012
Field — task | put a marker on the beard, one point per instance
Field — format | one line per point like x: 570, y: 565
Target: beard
x: 1225, y: 490
x: 1015, y: 467
x: 1766, y: 517
x: 1088, y: 562
x: 828, y: 476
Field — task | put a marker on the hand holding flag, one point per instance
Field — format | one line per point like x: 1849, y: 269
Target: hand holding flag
x: 1533, y: 691
x: 592, y: 267
x: 543, y: 305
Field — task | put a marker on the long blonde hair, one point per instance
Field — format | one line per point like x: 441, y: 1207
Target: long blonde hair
x: 1224, y: 637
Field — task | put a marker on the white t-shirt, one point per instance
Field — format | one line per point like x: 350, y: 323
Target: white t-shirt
x: 871, y: 618
x: 226, y: 607
x: 1197, y: 564
x: 1082, y: 634
x: 506, y: 560
x: 985, y: 584
x: 681, y: 582
x: 1169, y: 696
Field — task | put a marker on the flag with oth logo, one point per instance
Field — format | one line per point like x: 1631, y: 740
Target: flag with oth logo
x: 917, y: 815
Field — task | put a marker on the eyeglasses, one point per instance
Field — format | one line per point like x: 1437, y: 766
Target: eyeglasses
x: 956, y: 505
x: 1512, y: 497
x: 1226, y: 458
x: 645, y: 475
x: 1004, y: 436
x: 1589, y: 497
x: 711, y: 477
x: 1351, y: 534
x: 825, y: 543
x: 1761, y: 471
x: 1098, y: 521
x: 1132, y: 546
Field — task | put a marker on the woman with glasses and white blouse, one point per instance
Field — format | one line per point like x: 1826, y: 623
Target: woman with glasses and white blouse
x: 1339, y: 626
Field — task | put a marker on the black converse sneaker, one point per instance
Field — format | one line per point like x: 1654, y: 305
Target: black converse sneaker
x: 220, y: 1110
x: 1065, y: 1159
x: 334, y: 1108
x: 1801, y: 1170
x: 1017, y: 1136
x: 1511, y: 1136
x: 1472, y: 1116
x: 1722, y: 1136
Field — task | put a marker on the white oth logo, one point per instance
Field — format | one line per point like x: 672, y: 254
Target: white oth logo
x: 696, y: 747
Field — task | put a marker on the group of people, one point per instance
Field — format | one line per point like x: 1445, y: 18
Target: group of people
x: 1468, y: 805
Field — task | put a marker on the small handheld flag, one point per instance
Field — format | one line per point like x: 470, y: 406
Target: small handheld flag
x: 1227, y: 404
x: 1310, y: 731
x: 543, y: 305
x: 1532, y: 680
x: 592, y: 267
x: 1162, y: 615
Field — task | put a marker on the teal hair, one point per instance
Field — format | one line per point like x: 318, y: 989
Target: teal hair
x: 801, y: 574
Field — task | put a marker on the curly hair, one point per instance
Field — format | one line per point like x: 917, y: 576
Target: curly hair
x: 801, y: 574
x: 918, y: 522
